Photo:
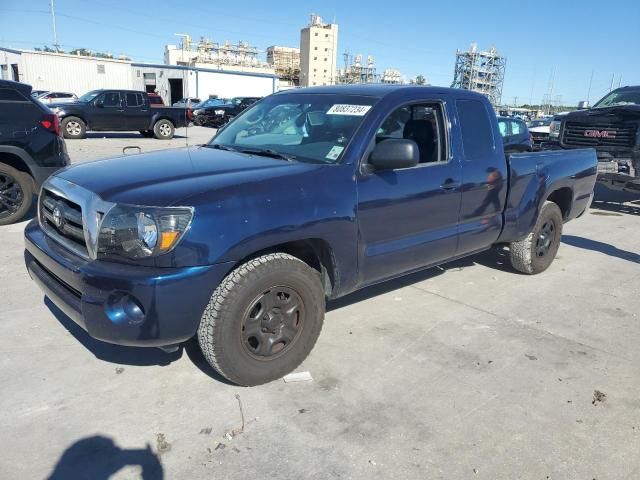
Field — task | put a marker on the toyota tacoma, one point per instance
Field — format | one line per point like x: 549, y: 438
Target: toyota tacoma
x: 308, y: 195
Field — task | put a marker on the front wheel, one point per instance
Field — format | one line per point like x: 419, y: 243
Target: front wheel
x: 163, y: 130
x: 536, y: 251
x: 263, y: 319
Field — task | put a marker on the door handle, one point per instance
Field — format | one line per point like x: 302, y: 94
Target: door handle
x: 450, y: 186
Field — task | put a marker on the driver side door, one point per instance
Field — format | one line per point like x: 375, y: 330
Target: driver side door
x: 408, y: 218
x: 108, y: 112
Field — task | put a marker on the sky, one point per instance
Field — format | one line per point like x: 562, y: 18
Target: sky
x: 577, y: 43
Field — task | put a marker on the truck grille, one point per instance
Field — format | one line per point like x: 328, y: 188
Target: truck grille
x: 598, y: 135
x: 62, y: 220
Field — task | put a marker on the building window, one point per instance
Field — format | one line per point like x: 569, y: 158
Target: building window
x: 315, y: 48
x: 100, y: 68
x: 138, y: 73
x: 325, y: 59
x: 316, y: 34
x: 326, y: 49
x: 315, y: 58
x: 326, y: 35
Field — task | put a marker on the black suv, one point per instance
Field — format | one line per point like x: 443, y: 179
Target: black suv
x: 219, y: 115
x: 31, y: 149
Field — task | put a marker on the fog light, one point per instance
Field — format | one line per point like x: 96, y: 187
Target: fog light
x: 122, y: 308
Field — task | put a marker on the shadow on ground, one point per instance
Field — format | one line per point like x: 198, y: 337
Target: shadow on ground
x: 113, y: 353
x: 615, y: 202
x: 596, y: 246
x: 495, y: 258
x: 98, y: 458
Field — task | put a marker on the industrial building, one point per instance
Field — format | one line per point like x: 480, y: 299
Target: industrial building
x: 80, y: 74
x: 286, y: 63
x: 480, y: 71
x: 237, y: 57
x: 357, y: 71
x: 318, y: 53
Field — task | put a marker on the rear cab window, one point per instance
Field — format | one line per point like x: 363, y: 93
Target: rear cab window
x: 11, y: 95
x: 134, y: 100
x: 475, y: 126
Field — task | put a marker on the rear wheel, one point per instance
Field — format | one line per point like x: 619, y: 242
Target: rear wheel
x: 16, y: 194
x: 163, y: 130
x: 263, y: 319
x: 537, y: 251
x: 73, y: 128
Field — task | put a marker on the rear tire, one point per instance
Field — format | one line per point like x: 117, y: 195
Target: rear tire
x: 16, y: 194
x: 163, y: 130
x: 536, y: 251
x: 73, y: 128
x: 263, y: 319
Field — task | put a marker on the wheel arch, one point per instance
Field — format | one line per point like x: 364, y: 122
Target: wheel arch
x: 18, y: 159
x: 315, y: 252
x: 76, y: 115
x: 563, y: 197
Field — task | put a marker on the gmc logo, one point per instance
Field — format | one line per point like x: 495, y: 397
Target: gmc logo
x: 599, y: 134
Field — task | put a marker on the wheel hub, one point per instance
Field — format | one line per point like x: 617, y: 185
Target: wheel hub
x: 545, y: 239
x: 273, y: 322
x: 11, y: 195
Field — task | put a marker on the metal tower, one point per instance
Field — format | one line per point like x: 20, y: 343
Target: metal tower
x: 480, y: 71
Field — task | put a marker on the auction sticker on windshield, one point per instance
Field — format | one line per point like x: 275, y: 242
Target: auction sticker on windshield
x: 344, y: 109
x: 334, y: 153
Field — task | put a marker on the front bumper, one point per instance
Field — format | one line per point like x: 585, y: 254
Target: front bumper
x: 118, y: 303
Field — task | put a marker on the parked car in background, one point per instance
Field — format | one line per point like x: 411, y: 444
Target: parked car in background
x: 515, y: 135
x: 119, y: 110
x: 31, y: 149
x: 187, y: 102
x: 155, y: 100
x: 219, y: 115
x: 539, y: 129
x: 57, y: 97
x: 612, y: 127
x: 37, y: 93
x: 200, y: 112
x: 308, y: 195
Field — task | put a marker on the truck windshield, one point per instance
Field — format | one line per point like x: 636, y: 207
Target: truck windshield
x: 87, y: 97
x: 627, y: 96
x: 303, y: 127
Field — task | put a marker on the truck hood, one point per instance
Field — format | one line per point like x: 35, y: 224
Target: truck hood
x: 167, y: 177
x: 616, y: 113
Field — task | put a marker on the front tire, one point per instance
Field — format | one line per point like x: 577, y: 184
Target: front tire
x: 163, y: 130
x: 73, y: 128
x: 16, y: 194
x: 263, y: 319
x: 536, y: 251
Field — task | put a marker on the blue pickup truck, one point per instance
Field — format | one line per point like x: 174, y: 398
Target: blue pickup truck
x: 306, y: 196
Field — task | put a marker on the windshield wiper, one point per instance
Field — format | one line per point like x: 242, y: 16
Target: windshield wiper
x: 219, y: 146
x: 267, y: 152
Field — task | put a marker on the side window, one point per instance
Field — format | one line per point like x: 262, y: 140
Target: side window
x: 10, y: 95
x: 134, y: 100
x: 477, y: 135
x: 516, y: 128
x: 422, y: 123
x: 111, y: 99
x: 502, y: 126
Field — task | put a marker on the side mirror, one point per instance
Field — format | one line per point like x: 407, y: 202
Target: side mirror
x: 395, y: 153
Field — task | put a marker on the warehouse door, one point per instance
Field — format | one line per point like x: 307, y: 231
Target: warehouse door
x: 175, y: 90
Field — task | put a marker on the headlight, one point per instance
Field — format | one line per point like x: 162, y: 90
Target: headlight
x: 219, y: 112
x: 139, y: 232
x: 199, y: 111
x: 554, y: 129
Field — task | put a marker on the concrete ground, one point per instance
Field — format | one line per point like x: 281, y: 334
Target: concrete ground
x: 466, y: 371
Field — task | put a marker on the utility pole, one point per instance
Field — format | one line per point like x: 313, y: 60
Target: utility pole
x: 515, y: 101
x: 53, y: 22
x: 611, y: 84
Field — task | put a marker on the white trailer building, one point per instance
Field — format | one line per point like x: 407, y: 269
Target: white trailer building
x: 80, y: 74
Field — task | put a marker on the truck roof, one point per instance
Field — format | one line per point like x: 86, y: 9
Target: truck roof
x: 381, y: 90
